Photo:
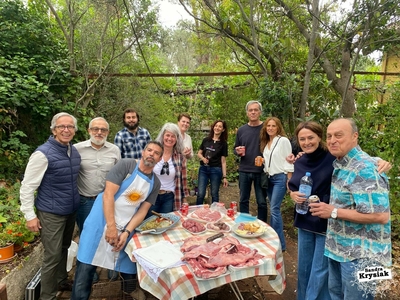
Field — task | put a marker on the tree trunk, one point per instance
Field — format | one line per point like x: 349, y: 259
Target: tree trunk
x: 310, y: 59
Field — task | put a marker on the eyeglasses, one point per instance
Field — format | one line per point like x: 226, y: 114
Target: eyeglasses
x: 165, y: 169
x: 95, y: 129
x: 63, y: 127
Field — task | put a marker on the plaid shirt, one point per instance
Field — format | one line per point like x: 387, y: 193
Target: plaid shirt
x: 131, y: 145
x: 181, y: 190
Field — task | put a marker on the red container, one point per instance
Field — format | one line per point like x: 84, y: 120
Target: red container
x: 230, y: 213
x: 185, y: 209
x: 234, y: 206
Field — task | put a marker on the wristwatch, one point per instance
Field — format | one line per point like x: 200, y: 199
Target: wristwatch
x: 334, y: 213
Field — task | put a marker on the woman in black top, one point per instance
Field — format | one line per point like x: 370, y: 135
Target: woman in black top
x: 212, y: 153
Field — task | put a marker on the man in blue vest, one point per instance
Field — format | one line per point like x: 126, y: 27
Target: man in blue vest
x: 52, y: 171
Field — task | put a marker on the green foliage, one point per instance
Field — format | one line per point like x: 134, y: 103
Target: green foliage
x: 379, y: 131
x: 12, y: 222
x: 34, y: 82
x: 13, y: 156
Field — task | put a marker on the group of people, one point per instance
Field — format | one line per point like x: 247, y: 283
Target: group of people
x: 109, y: 189
x: 351, y: 223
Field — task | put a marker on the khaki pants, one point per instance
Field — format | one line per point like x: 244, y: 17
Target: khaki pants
x: 56, y: 235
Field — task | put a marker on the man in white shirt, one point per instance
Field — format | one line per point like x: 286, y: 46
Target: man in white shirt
x: 184, y: 124
x: 50, y: 186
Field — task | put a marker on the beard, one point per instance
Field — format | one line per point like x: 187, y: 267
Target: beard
x: 131, y: 127
x: 149, y: 163
x: 96, y: 141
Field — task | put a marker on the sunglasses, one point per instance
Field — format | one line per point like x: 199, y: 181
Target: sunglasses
x: 165, y: 169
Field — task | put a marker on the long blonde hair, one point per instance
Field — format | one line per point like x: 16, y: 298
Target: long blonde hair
x: 264, y: 136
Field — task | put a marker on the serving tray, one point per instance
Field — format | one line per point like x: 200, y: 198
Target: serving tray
x: 174, y: 218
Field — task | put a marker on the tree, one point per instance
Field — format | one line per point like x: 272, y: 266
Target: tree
x: 264, y: 41
x: 101, y: 37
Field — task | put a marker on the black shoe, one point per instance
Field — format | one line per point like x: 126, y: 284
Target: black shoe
x: 112, y: 275
x: 66, y: 285
x: 95, y: 278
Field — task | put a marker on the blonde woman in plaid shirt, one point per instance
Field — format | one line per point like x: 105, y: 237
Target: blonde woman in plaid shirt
x: 171, y: 170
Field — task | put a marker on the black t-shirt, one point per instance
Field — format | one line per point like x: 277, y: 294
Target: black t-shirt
x: 213, y: 150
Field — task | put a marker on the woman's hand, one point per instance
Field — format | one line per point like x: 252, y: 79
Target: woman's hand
x: 225, y: 182
x: 121, y: 241
x: 298, y: 197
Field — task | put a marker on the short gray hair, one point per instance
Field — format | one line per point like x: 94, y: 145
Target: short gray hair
x: 62, y: 114
x: 174, y: 129
x: 252, y: 102
x: 353, y: 125
x: 99, y: 118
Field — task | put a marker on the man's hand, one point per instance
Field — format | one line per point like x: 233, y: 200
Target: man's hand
x: 383, y: 166
x: 291, y: 158
x: 111, y: 235
x: 34, y: 225
x: 321, y: 210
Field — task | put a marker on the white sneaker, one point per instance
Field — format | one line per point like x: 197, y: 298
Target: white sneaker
x: 138, y: 294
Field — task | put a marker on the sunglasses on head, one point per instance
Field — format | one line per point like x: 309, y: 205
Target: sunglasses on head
x: 165, y: 169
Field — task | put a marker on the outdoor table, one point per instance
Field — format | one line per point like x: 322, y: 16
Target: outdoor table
x: 181, y: 283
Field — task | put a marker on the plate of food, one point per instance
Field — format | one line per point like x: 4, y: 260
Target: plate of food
x: 249, y: 229
x: 218, y: 226
x: 158, y: 225
x: 205, y: 215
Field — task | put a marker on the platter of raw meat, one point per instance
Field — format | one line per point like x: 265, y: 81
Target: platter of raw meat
x: 205, y: 215
x: 218, y: 226
x: 193, y: 227
x: 213, y: 259
x: 249, y: 229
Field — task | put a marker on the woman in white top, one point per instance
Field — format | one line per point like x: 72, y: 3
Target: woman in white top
x: 275, y: 147
x: 171, y: 170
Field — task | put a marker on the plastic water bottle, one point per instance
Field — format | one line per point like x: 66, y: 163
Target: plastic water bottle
x: 305, y: 188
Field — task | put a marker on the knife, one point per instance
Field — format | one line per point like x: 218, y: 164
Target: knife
x: 214, y: 237
x: 162, y: 217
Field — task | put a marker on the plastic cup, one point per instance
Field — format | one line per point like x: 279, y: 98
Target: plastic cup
x: 243, y: 150
x: 259, y: 161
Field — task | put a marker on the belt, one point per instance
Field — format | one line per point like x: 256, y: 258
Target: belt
x: 162, y: 192
x: 91, y: 198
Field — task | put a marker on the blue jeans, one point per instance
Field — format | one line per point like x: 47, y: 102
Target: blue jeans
x: 212, y: 175
x: 84, y: 209
x: 276, y: 192
x: 312, y: 267
x: 245, y: 181
x: 83, y: 281
x: 164, y: 204
x: 342, y: 283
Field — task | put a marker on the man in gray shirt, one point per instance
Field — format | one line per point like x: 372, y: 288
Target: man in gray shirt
x: 98, y: 157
